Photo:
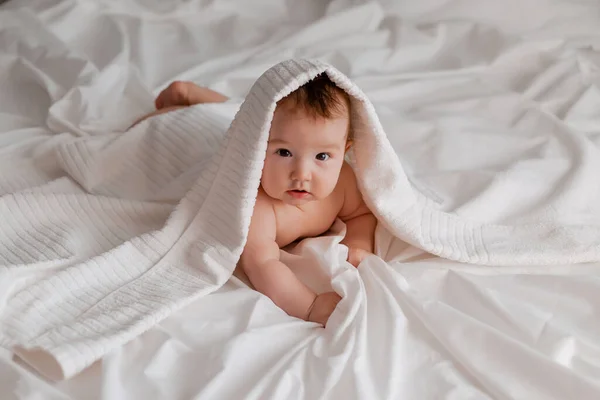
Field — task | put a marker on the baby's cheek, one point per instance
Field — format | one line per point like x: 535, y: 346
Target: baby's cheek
x: 329, y: 184
x: 270, y: 179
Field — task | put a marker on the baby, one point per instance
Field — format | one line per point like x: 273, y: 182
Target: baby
x: 305, y: 186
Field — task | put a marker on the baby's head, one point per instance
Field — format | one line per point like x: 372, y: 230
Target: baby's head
x: 310, y: 133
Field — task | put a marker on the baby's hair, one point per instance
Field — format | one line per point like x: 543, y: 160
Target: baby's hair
x: 321, y: 97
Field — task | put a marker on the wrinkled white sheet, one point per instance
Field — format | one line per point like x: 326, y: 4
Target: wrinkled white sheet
x: 438, y: 72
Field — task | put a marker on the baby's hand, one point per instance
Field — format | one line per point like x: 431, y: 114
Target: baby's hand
x: 356, y: 255
x: 323, y: 306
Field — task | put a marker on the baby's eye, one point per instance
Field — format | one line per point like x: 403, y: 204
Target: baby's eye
x: 323, y: 156
x: 284, y: 153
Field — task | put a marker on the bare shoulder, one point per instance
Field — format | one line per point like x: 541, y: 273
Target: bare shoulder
x: 347, y: 176
x: 354, y: 204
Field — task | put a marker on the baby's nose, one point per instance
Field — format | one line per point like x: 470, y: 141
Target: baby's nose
x: 301, y: 172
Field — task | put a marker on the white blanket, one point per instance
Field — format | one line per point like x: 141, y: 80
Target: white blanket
x: 97, y: 260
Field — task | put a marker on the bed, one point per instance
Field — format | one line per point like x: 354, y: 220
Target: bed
x: 472, y: 94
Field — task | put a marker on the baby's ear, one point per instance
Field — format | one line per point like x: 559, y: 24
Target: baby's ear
x: 349, y: 144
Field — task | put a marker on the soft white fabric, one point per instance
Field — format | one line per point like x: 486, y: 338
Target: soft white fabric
x: 120, y: 275
x: 414, y: 326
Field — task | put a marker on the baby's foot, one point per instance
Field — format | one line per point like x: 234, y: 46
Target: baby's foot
x: 185, y: 93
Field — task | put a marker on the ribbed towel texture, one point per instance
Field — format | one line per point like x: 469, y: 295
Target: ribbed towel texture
x: 85, y: 271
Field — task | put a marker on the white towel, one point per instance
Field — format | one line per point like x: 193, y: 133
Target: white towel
x: 82, y: 273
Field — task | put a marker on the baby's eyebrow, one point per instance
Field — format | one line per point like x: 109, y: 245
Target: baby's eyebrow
x: 326, y: 146
x: 277, y: 141
x: 331, y: 146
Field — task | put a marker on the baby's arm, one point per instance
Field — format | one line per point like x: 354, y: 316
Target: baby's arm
x: 260, y: 261
x: 360, y: 221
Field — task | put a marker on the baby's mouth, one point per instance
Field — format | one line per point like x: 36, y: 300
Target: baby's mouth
x: 298, y: 193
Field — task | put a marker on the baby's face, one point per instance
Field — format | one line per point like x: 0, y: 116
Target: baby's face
x: 304, y: 155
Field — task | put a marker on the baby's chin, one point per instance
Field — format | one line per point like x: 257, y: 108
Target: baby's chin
x: 296, y: 202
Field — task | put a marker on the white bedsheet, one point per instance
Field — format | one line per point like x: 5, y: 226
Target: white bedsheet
x: 459, y: 71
